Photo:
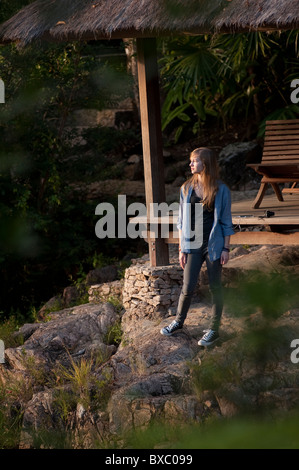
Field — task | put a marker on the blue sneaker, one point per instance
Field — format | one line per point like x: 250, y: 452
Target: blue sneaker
x: 172, y: 328
x: 208, y: 338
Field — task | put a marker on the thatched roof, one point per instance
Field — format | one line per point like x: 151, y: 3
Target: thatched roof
x: 262, y: 15
x: 86, y: 19
x: 98, y: 19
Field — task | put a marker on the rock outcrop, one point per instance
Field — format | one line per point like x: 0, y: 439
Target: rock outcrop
x: 83, y: 381
x: 236, y: 156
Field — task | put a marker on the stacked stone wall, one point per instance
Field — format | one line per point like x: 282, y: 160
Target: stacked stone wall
x: 152, y: 291
x: 106, y: 291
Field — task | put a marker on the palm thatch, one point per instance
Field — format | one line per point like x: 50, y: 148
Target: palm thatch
x: 98, y: 19
x: 262, y: 15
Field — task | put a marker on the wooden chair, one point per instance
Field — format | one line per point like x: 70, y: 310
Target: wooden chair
x: 280, y: 159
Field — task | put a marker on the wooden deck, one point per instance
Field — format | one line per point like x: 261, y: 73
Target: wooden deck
x: 252, y: 227
x: 285, y: 211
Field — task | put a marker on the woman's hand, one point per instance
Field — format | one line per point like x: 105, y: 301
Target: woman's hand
x: 183, y: 259
x: 224, y: 257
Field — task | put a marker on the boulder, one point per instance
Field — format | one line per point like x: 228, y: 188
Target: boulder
x: 101, y: 275
x: 232, y: 162
x: 105, y: 291
x: 69, y: 332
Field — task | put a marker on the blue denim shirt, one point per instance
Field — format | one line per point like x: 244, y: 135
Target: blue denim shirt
x: 222, y: 221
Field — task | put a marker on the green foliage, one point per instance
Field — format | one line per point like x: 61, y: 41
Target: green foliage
x: 115, y: 333
x: 10, y: 427
x: 10, y: 325
x: 79, y: 375
x: 214, y: 372
x: 230, y: 76
x: 15, y: 391
x: 46, y: 228
x: 270, y: 293
x: 189, y: 65
x: 234, y: 433
x: 7, y: 330
x: 81, y: 383
x: 10, y: 7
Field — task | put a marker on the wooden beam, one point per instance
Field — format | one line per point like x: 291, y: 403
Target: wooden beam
x: 150, y: 115
x: 265, y: 238
x: 245, y: 238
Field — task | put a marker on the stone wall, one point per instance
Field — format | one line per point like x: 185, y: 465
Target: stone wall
x: 152, y: 292
x: 106, y: 291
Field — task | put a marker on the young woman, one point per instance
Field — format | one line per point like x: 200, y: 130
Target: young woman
x: 205, y: 226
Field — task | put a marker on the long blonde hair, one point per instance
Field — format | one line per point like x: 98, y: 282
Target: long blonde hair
x: 209, y: 175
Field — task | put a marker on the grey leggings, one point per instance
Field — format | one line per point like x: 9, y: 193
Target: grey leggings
x: 191, y: 273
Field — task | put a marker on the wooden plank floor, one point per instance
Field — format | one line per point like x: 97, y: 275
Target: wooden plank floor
x: 252, y: 227
x: 286, y: 212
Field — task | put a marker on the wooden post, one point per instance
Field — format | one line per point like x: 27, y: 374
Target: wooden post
x: 150, y: 115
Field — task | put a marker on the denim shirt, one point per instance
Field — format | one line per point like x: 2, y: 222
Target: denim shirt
x: 222, y: 225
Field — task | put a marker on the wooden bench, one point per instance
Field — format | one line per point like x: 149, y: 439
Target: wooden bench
x: 280, y: 159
